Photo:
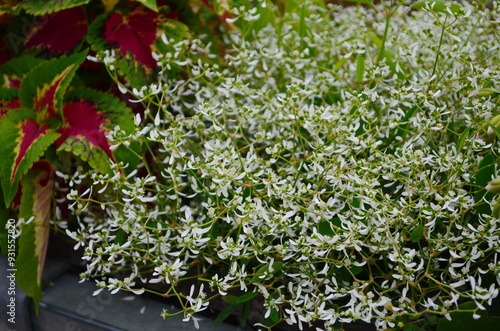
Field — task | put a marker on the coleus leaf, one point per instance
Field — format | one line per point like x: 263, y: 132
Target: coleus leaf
x: 37, y: 192
x: 22, y: 143
x: 95, y: 156
x: 58, y: 32
x: 42, y: 7
x: 44, y: 87
x: 15, y: 70
x: 133, y: 33
x: 86, y: 120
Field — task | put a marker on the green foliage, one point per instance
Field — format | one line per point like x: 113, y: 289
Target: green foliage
x: 17, y: 159
x: 42, y: 7
x: 336, y: 168
x: 469, y: 318
x: 440, y: 6
x: 49, y: 108
x: 338, y: 171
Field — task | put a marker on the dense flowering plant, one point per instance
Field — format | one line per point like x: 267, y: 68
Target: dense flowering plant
x: 56, y: 103
x: 330, y: 165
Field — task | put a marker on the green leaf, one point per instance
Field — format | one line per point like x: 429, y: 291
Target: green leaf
x: 483, y: 176
x: 274, y: 315
x: 225, y: 313
x: 360, y: 68
x: 44, y: 87
x: 437, y: 6
x: 462, y: 138
x: 129, y: 155
x: 151, y: 4
x: 417, y: 233
x: 247, y: 296
x: 93, y: 155
x: 14, y: 71
x: 404, y: 127
x: 339, y: 64
x: 245, y: 312
x: 325, y: 229
x: 4, y: 218
x: 214, y: 233
x: 119, y: 237
x: 263, y: 270
x: 495, y: 129
x: 389, y: 55
x: 42, y: 7
x: 464, y: 321
x: 230, y: 299
x: 38, y: 187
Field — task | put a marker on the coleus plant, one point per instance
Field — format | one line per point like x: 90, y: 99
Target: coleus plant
x: 47, y: 113
x: 44, y: 116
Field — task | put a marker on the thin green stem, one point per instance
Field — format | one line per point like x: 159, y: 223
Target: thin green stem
x: 384, y: 37
x: 438, y: 51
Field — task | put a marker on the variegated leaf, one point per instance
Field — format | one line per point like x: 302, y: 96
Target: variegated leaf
x: 22, y: 142
x: 44, y: 87
x: 37, y: 192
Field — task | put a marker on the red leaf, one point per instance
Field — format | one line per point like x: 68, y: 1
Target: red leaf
x: 81, y: 119
x: 60, y: 31
x: 134, y: 33
x: 31, y: 131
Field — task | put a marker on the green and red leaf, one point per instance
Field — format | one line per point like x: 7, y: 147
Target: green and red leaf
x: 83, y: 120
x: 58, y: 32
x: 43, y: 89
x: 22, y: 143
x: 133, y: 33
x: 37, y: 192
x: 87, y: 117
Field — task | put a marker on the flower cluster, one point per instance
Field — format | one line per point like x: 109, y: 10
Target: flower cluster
x: 331, y: 172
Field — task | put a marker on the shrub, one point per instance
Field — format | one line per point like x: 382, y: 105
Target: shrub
x: 56, y: 104
x: 331, y: 163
